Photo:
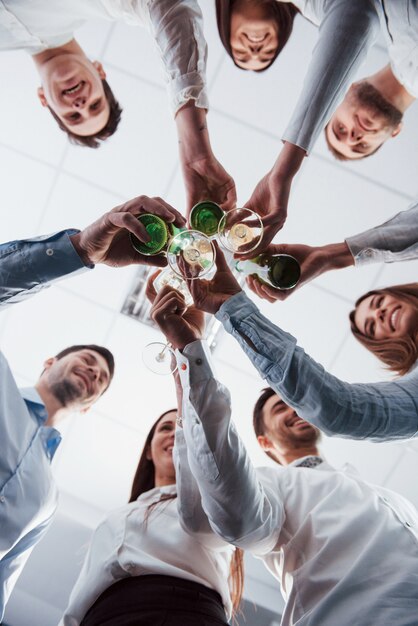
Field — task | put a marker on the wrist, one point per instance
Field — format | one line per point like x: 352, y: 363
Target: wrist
x: 192, y: 131
x: 337, y: 255
x: 76, y: 240
x: 288, y: 162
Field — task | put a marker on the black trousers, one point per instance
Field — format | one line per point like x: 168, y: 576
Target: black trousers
x: 156, y: 601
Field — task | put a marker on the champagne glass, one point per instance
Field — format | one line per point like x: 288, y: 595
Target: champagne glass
x: 240, y: 230
x: 159, y: 358
x: 190, y: 254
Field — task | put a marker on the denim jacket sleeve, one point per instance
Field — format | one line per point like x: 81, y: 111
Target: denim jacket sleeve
x: 27, y: 266
x: 376, y: 411
x: 347, y: 30
x: 395, y: 240
x: 241, y: 509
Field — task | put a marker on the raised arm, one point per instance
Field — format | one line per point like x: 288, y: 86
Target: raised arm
x: 395, y: 240
x: 377, y: 411
x: 177, y: 27
x: 346, y: 32
x: 29, y: 265
x: 239, y: 509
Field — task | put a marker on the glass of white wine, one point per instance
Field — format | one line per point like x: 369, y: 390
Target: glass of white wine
x: 190, y: 255
x: 240, y: 230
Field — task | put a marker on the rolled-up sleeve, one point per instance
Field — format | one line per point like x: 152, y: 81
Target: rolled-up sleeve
x: 377, y: 411
x: 240, y: 509
x: 347, y: 30
x: 395, y: 240
x: 177, y: 28
x: 28, y: 266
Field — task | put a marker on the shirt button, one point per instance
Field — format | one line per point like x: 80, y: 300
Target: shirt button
x: 2, y: 499
x: 199, y: 361
x: 408, y: 525
x: 183, y: 366
x: 49, y: 251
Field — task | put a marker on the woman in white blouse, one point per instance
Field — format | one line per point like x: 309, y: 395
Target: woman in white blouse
x: 156, y: 560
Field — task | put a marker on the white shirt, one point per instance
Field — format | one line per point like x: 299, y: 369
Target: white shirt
x: 124, y: 546
x: 345, y: 552
x: 176, y: 26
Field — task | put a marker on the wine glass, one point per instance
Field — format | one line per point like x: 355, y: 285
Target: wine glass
x: 159, y: 358
x: 240, y: 230
x: 191, y: 254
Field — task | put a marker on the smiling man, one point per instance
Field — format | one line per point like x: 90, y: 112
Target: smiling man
x: 72, y: 381
x: 75, y: 91
x: 370, y: 114
x: 73, y: 87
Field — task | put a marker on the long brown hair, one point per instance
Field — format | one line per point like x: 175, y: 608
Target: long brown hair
x: 282, y: 12
x: 144, y: 480
x: 399, y: 354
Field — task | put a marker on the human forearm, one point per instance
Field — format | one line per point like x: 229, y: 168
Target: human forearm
x: 192, y: 131
x: 380, y: 411
x: 27, y: 266
x: 239, y: 509
x: 347, y: 30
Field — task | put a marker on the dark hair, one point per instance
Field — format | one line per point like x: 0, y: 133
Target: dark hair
x: 283, y: 12
x: 340, y: 156
x: 258, y: 418
x: 104, y: 352
x: 91, y: 141
x: 144, y: 480
x: 399, y: 354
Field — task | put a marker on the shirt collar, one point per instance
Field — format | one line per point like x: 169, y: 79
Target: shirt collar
x: 31, y: 396
x: 156, y: 493
x: 51, y: 437
x: 306, y: 460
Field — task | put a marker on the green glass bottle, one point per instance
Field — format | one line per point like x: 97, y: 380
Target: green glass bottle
x: 158, y: 230
x: 205, y: 217
x: 280, y: 271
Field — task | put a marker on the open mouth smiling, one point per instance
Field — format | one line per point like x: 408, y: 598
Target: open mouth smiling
x: 72, y: 90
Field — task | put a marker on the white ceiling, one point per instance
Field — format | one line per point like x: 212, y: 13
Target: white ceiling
x: 48, y: 185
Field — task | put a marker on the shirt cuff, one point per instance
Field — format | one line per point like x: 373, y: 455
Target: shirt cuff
x: 194, y: 364
x: 362, y: 253
x: 53, y: 256
x: 188, y: 88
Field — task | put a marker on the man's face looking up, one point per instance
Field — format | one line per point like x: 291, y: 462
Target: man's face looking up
x: 362, y: 122
x: 72, y: 87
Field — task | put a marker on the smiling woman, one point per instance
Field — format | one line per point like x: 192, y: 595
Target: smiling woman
x: 385, y: 321
x: 156, y: 560
x: 254, y: 32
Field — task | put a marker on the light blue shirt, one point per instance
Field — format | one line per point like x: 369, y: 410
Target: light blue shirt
x: 28, y: 495
x: 377, y: 411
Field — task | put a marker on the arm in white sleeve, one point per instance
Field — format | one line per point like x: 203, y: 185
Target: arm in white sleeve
x: 347, y: 30
x: 376, y: 411
x: 395, y: 240
x: 239, y: 508
x: 27, y: 266
x: 189, y: 503
x: 177, y: 28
